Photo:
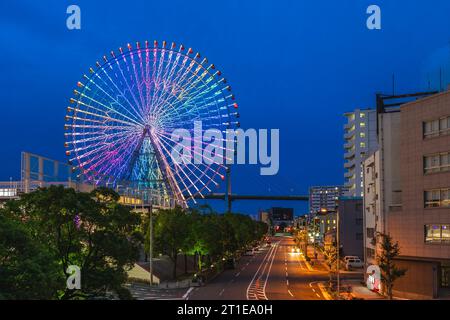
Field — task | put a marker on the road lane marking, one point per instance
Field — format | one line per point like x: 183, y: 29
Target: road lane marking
x: 314, y: 290
x: 221, y: 292
x: 186, y: 295
x: 317, y: 295
x: 237, y: 274
x: 289, y: 291
x: 252, y: 285
x: 287, y: 281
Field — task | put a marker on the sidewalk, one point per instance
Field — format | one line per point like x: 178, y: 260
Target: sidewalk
x: 359, y: 291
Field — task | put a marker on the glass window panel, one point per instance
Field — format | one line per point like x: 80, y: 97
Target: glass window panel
x: 445, y: 232
x: 435, y: 125
x: 445, y: 197
x: 443, y: 124
x: 432, y: 233
x: 428, y: 127
x: 444, y: 159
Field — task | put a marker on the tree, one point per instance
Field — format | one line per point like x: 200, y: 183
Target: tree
x: 330, y: 255
x: 90, y: 230
x: 25, y: 265
x: 171, y: 231
x: 389, y: 271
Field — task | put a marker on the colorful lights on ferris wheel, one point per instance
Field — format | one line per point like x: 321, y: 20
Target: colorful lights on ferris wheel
x: 107, y: 117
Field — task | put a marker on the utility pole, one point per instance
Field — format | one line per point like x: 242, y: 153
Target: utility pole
x: 338, y: 247
x: 228, y: 187
x: 150, y: 211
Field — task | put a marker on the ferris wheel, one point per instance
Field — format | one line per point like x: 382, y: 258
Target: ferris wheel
x: 119, y: 123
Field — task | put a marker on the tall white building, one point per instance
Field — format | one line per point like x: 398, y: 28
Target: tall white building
x: 321, y: 197
x: 360, y: 135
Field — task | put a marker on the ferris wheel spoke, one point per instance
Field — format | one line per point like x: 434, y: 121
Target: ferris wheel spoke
x: 170, y: 145
x: 121, y: 93
x: 111, y: 98
x: 169, y: 137
x: 138, y: 81
x: 181, y: 74
x: 130, y: 90
x: 178, y: 169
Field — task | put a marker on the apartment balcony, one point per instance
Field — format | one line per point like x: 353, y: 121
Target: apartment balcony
x: 349, y: 134
x: 349, y: 145
x: 349, y: 125
x: 349, y: 154
x: 348, y: 174
x: 349, y: 164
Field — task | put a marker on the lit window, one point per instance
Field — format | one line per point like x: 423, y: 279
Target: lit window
x: 362, y: 115
x: 437, y: 233
x: 362, y: 134
x: 437, y: 198
x: 362, y: 124
x: 362, y: 144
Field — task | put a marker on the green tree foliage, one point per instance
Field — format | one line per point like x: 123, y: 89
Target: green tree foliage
x: 389, y: 271
x: 26, y: 265
x: 171, y: 233
x: 90, y: 230
x: 201, y: 232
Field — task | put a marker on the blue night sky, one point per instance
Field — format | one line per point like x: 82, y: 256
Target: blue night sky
x: 294, y: 65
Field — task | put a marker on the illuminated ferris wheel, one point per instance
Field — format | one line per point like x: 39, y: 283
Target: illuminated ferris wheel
x: 120, y: 122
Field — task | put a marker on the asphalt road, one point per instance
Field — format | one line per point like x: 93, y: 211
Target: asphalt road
x: 274, y: 273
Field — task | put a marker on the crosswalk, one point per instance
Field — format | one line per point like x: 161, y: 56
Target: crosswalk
x: 145, y: 292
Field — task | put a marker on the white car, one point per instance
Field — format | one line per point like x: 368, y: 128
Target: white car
x: 346, y: 258
x: 354, y: 263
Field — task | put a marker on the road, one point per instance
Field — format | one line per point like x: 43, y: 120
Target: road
x: 274, y: 273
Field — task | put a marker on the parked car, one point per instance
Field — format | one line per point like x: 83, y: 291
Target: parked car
x: 346, y: 258
x: 354, y: 264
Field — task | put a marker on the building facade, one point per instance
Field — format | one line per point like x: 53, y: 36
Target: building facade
x: 324, y: 197
x: 422, y: 226
x: 351, y: 235
x: 407, y: 195
x: 360, y: 140
x: 382, y: 182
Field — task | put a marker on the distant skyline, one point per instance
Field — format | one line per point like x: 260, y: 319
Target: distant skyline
x: 293, y: 65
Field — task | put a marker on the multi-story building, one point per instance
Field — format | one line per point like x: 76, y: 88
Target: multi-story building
x: 422, y: 226
x: 324, y: 197
x: 407, y: 194
x: 350, y: 210
x: 360, y: 136
x: 349, y: 213
x: 381, y: 172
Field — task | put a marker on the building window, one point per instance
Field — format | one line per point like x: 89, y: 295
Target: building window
x: 362, y: 124
x: 370, y: 232
x: 436, y: 162
x: 437, y: 198
x: 359, y: 236
x: 436, y: 233
x: 362, y: 144
x: 362, y: 135
x: 359, y: 221
x: 370, y: 253
x: 436, y: 127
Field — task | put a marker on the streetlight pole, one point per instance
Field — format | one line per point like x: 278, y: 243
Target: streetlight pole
x: 150, y: 210
x: 338, y: 247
